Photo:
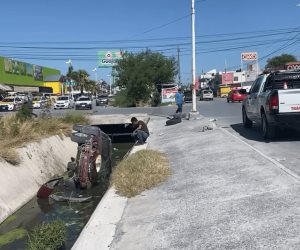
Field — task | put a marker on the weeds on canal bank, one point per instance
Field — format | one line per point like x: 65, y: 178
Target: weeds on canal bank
x: 16, y: 132
x: 140, y: 171
x: 47, y: 236
x: 12, y: 236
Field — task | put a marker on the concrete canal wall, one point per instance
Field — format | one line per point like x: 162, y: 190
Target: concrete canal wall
x: 40, y: 161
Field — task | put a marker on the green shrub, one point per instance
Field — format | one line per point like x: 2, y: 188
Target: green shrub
x: 122, y: 99
x: 24, y: 113
x: 47, y: 236
x: 156, y: 99
x: 75, y: 118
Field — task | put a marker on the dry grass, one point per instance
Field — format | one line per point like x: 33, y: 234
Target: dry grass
x: 140, y: 171
x: 15, y: 133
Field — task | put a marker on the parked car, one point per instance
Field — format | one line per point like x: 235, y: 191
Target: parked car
x: 206, y: 95
x: 38, y: 102
x: 102, y: 100
x: 273, y: 101
x: 236, y: 95
x: 188, y: 96
x: 64, y: 102
x: 11, y: 103
x: 83, y: 102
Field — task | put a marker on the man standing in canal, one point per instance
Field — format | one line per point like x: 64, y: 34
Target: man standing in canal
x: 141, y: 132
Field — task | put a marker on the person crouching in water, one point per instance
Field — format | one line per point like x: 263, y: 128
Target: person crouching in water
x: 141, y: 132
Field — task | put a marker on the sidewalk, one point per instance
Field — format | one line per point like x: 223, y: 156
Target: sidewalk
x: 221, y: 195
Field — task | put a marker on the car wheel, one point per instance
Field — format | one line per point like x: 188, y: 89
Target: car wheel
x: 268, y: 131
x: 246, y: 122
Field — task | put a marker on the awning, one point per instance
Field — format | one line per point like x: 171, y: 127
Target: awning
x: 26, y: 89
x: 5, y: 87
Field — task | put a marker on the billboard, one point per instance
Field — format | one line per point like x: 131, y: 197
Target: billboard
x: 249, y: 56
x: 38, y: 73
x: 227, y: 78
x: 107, y: 59
x: 19, y: 68
x: 168, y: 94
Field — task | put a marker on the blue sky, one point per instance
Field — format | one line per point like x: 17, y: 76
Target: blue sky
x: 49, y: 33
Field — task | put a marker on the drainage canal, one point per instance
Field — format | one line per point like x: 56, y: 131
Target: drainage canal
x: 75, y: 215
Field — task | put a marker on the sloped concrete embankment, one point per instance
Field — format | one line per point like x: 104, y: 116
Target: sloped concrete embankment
x: 40, y: 161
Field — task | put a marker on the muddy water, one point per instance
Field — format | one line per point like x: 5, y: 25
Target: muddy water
x: 75, y: 215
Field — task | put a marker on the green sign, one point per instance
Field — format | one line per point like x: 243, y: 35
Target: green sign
x: 109, y: 58
x: 71, y: 83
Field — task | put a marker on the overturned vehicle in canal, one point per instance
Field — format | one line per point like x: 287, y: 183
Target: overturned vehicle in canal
x: 94, y: 152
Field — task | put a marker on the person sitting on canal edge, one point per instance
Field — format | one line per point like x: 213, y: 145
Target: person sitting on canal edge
x: 141, y: 132
x: 179, y: 100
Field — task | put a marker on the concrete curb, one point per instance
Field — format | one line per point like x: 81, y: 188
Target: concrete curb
x: 100, y: 230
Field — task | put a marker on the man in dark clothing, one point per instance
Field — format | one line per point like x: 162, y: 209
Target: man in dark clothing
x: 141, y: 132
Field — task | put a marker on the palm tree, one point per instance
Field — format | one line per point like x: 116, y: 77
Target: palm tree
x: 82, y: 78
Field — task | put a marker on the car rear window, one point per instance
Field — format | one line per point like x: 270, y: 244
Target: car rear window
x: 83, y: 99
x: 278, y: 81
x: 63, y: 98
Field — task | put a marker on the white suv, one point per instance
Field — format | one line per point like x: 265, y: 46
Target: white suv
x: 64, y: 102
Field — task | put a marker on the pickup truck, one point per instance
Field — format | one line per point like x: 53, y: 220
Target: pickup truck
x: 83, y: 102
x: 274, y: 102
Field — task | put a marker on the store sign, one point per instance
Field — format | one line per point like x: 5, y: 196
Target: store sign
x: 291, y: 67
x: 107, y: 59
x: 249, y: 56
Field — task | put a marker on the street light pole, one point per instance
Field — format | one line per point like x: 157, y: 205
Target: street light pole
x: 69, y: 62
x: 96, y: 75
x: 194, y: 108
x: 109, y: 84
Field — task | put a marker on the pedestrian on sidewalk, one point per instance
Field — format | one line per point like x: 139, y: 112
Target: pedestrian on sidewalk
x: 179, y: 100
x: 141, y: 132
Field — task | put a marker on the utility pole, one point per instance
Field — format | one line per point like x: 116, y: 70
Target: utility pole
x: 194, y: 108
x: 178, y: 66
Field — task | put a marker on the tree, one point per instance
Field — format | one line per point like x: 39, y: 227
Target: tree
x: 279, y: 61
x: 81, y: 77
x: 142, y: 73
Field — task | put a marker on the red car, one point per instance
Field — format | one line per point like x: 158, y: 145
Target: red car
x: 236, y: 95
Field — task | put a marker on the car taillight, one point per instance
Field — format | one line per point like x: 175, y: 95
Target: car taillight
x: 274, y: 102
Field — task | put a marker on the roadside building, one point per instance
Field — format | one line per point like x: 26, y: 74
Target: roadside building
x: 25, y: 77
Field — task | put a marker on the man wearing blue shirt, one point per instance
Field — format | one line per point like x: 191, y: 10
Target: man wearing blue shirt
x: 179, y: 100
